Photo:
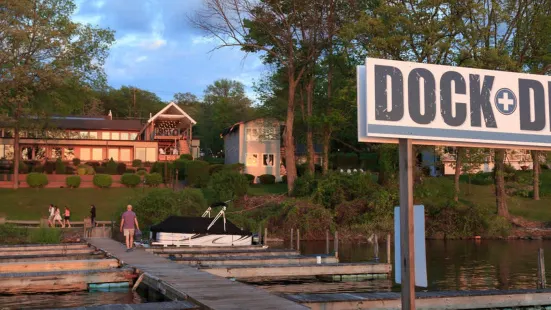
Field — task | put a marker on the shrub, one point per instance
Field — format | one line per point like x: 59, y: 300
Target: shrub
x: 153, y: 179
x: 239, y: 167
x: 141, y: 171
x: 214, y: 160
x: 197, y: 173
x: 60, y: 166
x: 73, y: 181
x: 70, y: 170
x: 130, y: 170
x: 215, y: 168
x: 158, y: 204
x: 49, y: 167
x: 130, y: 179
x: 250, y: 178
x: 267, y: 179
x: 99, y: 169
x: 186, y: 157
x: 336, y: 188
x: 76, y: 161
x: 121, y: 168
x: 160, y: 167
x: 284, y: 179
x: 44, y: 236
x: 93, y: 164
x: 85, y: 170
x: 103, y: 180
x: 38, y: 168
x: 180, y: 165
x: 147, y: 164
x: 304, y: 186
x: 228, y: 184
x: 37, y: 180
x: 136, y: 163
x: 111, y: 167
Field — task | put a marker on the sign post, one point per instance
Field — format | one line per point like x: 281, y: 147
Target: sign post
x: 406, y: 224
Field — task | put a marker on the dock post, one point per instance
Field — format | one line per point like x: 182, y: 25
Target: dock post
x: 407, y: 261
x: 291, y: 238
x: 298, y: 240
x: 541, y: 270
x: 265, y: 236
x: 260, y: 235
x: 388, y: 249
x: 336, y: 243
x: 376, y: 248
x: 327, y: 241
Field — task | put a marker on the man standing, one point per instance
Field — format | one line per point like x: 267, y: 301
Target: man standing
x: 51, y: 215
x: 129, y: 223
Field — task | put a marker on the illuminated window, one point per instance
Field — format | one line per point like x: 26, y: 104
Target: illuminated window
x: 85, y: 154
x: 93, y: 135
x: 69, y: 153
x: 140, y: 153
x: 97, y: 154
x: 252, y: 134
x: 133, y: 136
x: 113, y: 153
x: 124, y: 135
x: 84, y: 135
x: 105, y: 135
x: 115, y: 136
x: 125, y: 155
x: 56, y: 152
x: 268, y: 160
x: 252, y: 160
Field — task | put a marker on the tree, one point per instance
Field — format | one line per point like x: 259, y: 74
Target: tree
x: 185, y: 99
x: 282, y: 30
x: 536, y: 169
x: 43, y: 50
x: 130, y: 102
x: 499, y: 175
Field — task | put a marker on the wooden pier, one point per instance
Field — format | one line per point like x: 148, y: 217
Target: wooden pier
x: 181, y: 282
x: 492, y: 299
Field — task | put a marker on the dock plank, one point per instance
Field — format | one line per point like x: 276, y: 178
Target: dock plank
x: 185, y: 282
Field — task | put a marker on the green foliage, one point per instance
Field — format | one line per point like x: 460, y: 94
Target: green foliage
x: 153, y: 179
x: 85, y: 170
x: 369, y: 161
x: 239, y: 167
x: 267, y: 179
x: 180, y: 165
x: 136, y: 163
x: 480, y: 178
x: 130, y: 179
x: 121, y: 168
x: 186, y: 157
x: 73, y: 181
x: 38, y: 168
x: 305, y: 186
x: 60, y: 167
x: 10, y: 234
x: 165, y: 169
x: 44, y: 236
x: 111, y: 167
x: 346, y: 161
x: 250, y: 178
x: 103, y: 180
x: 49, y: 167
x: 141, y: 172
x: 228, y: 184
x: 76, y: 161
x: 37, y: 180
x: 214, y: 160
x: 99, y: 169
x: 158, y: 204
x: 215, y: 168
x: 336, y: 188
x: 197, y: 173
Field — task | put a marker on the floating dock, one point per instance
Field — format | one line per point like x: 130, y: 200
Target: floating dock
x: 492, y: 299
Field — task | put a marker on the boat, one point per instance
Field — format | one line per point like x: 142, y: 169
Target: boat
x: 200, y: 231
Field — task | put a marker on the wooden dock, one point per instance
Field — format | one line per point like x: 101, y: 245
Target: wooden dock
x: 181, y: 282
x: 169, y: 305
x: 492, y: 299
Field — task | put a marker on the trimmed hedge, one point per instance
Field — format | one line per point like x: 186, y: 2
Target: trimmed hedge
x: 130, y: 179
x: 73, y: 181
x: 153, y: 179
x: 136, y: 163
x: 38, y: 168
x: 160, y: 166
x: 37, y: 180
x: 197, y: 173
x: 228, y: 184
x: 186, y: 157
x: 111, y: 167
x: 85, y: 170
x: 49, y: 167
x: 267, y: 179
x: 99, y: 169
x: 60, y: 167
x: 76, y: 161
x: 180, y: 165
x: 121, y: 168
x: 103, y: 180
x: 215, y: 168
x: 141, y: 171
x: 250, y: 178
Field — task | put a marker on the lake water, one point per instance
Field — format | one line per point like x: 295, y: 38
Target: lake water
x: 451, y: 265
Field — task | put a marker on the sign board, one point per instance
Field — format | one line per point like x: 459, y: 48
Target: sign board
x: 426, y: 102
x: 419, y: 246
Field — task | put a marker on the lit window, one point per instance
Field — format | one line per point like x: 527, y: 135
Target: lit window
x: 105, y: 135
x: 97, y: 154
x: 84, y: 135
x: 268, y: 160
x: 124, y: 135
x: 69, y: 153
x: 125, y: 155
x: 133, y: 136
x: 151, y: 155
x: 113, y: 153
x: 56, y: 152
x: 93, y: 135
x: 115, y: 136
x: 140, y: 154
x: 252, y: 160
x: 85, y: 154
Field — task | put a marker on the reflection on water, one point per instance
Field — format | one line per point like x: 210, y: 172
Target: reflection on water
x: 451, y: 265
x: 75, y: 299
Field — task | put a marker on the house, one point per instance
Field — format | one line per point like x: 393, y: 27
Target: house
x: 256, y: 144
x: 301, y: 154
x: 164, y: 136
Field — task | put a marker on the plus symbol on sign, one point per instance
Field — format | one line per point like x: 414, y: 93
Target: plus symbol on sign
x: 506, y: 102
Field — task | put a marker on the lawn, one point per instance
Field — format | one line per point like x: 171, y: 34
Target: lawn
x: 32, y: 204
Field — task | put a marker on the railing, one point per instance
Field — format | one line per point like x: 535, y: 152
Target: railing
x: 36, y: 224
x: 168, y: 157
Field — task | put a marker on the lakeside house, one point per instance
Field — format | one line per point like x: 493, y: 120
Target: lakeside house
x: 164, y: 136
x: 256, y: 144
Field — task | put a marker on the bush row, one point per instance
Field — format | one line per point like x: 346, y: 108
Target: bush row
x: 89, y: 168
x: 40, y: 180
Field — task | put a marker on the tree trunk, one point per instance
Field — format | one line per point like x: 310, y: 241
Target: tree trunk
x: 16, y: 156
x: 499, y: 179
x: 289, y: 141
x: 536, y: 169
x: 309, y: 130
x: 458, y: 165
x: 326, y: 148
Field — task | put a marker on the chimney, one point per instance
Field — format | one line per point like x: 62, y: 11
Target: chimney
x: 110, y: 115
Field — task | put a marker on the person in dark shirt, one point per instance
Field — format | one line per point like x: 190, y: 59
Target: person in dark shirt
x: 93, y: 215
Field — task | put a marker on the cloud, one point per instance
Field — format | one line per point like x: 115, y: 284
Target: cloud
x: 141, y: 59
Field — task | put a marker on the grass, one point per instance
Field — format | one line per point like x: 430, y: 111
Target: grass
x: 32, y: 204
x: 10, y: 234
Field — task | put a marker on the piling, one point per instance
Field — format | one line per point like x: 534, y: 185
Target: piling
x: 388, y: 249
x: 336, y: 243
x: 541, y: 270
x: 327, y: 241
x: 376, y: 247
x: 298, y: 240
x: 291, y: 238
x: 265, y: 236
x: 260, y: 235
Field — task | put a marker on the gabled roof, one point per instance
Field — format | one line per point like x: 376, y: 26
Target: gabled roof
x: 95, y: 124
x: 175, y: 106
x: 235, y: 127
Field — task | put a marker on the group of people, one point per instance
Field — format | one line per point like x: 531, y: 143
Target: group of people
x: 54, y: 216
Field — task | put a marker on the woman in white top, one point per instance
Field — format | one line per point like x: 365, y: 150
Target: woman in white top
x: 57, y: 218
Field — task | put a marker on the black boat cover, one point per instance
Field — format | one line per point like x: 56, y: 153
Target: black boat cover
x: 197, y: 225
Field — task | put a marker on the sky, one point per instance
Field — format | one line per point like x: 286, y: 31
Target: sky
x: 157, y: 49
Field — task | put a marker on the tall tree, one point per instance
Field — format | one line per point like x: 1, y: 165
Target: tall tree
x: 42, y: 50
x: 130, y: 102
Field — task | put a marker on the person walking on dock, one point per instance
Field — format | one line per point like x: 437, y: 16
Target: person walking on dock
x: 129, y: 223
x: 51, y: 215
x: 57, y: 218
x: 93, y: 215
x: 67, y: 217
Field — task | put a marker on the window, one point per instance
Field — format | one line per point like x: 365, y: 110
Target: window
x: 115, y: 136
x: 140, y: 153
x: 252, y: 134
x: 85, y: 154
x: 39, y: 153
x: 268, y: 160
x: 252, y: 160
x: 84, y: 135
x: 8, y: 151
x: 125, y: 155
x: 124, y: 135
x: 97, y: 154
x: 133, y: 136
x: 151, y: 154
x: 93, y: 135
x: 56, y: 152
x: 105, y: 135
x: 69, y: 153
x: 113, y: 153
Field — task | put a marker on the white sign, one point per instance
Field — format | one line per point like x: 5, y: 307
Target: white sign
x: 452, y: 104
x: 419, y: 246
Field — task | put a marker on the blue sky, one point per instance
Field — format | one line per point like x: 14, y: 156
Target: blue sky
x: 158, y: 50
